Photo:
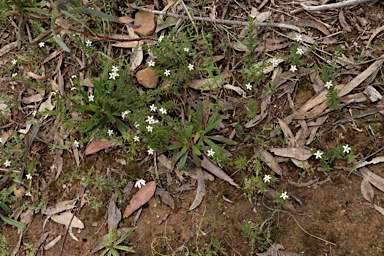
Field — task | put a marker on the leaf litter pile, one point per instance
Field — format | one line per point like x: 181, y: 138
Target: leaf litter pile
x: 313, y: 123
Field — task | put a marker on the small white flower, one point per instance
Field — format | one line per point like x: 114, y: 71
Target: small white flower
x: 73, y: 76
x: 167, y: 72
x: 91, y: 97
x: 300, y: 51
x: 210, y: 152
x: 140, y: 183
x: 73, y: 88
x: 110, y: 132
x: 249, y: 86
x: 115, y: 69
x: 88, y: 42
x: 163, y: 111
x: 347, y: 149
x: 318, y: 154
x: 136, y: 138
x: 126, y: 112
x: 267, y: 178
x: 7, y: 163
x: 151, y: 63
x: 191, y: 67
x: 34, y: 113
x: 113, y: 75
x: 137, y: 125
x: 274, y: 62
x: 76, y: 143
x: 186, y: 49
x: 284, y: 195
x: 161, y: 38
x: 14, y: 75
x: 150, y: 151
x: 153, y: 108
x: 14, y: 61
x: 149, y: 128
x: 293, y: 68
x: 29, y: 176
x: 150, y: 120
x: 298, y: 38
x: 28, y: 194
x: 1, y: 140
x: 328, y: 85
x: 41, y: 44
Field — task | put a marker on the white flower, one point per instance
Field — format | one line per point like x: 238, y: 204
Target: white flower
x: 150, y: 120
x: 34, y: 113
x: 274, y: 62
x: 300, y: 51
x: 41, y: 44
x: 284, y: 195
x: 293, y: 68
x: 163, y: 111
x: 73, y: 88
x: 14, y: 74
x: 318, y: 154
x: 190, y: 67
x: 136, y: 138
x: 113, y: 75
x: 210, y: 152
x: 267, y: 178
x: 28, y: 194
x: 76, y: 143
x: 137, y: 125
x: 7, y: 163
x: 347, y: 149
x: 73, y: 76
x: 14, y: 61
x: 161, y: 38
x: 91, y: 97
x: 328, y: 85
x: 249, y: 86
x: 29, y: 176
x: 115, y: 69
x: 110, y: 132
x: 186, y: 49
x: 140, y: 183
x: 151, y: 63
x: 150, y: 151
x: 167, y: 72
x: 149, y: 128
x: 88, y: 42
x: 1, y: 140
x: 153, y: 108
x: 298, y: 38
x: 126, y: 112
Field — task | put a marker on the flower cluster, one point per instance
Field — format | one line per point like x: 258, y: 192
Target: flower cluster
x: 151, y: 120
x: 114, y: 73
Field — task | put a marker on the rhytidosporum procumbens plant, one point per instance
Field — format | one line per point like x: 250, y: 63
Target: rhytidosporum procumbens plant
x: 194, y: 139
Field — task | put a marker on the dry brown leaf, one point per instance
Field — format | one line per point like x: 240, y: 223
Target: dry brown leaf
x: 297, y: 153
x: 97, y: 145
x: 307, y: 39
x: 200, y: 192
x: 140, y: 198
x: 312, y: 24
x: 288, y: 134
x: 125, y: 19
x: 374, y: 34
x: 8, y: 47
x: 57, y: 166
x: 257, y: 119
x: 129, y: 44
x: 35, y: 98
x: 212, y: 168
x: 375, y: 160
x: 52, y: 243
x: 165, y: 161
x: 38, y: 77
x: 236, y: 89
x: 267, y: 158
x: 19, y: 193
x: 114, y: 213
x: 271, y: 195
x: 343, y: 22
x: 26, y: 216
x: 41, y: 240
x: 48, y: 104
x: 60, y: 207
x: 367, y: 190
x: 65, y: 219
x: 269, y: 68
x: 209, y: 83
x: 165, y: 197
x: 374, y: 179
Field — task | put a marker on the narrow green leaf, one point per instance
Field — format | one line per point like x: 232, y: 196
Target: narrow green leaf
x: 122, y: 127
x: 14, y: 223
x: 222, y: 140
x: 181, y: 163
x: 58, y: 40
x: 125, y: 236
x: 174, y: 146
x: 214, y: 121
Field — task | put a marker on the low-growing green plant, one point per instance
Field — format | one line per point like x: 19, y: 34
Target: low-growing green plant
x: 113, y: 245
x: 259, y: 236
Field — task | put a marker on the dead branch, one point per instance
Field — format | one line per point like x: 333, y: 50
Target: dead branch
x: 332, y: 6
x: 228, y: 22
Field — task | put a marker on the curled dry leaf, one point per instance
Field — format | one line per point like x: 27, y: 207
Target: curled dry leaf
x: 140, y: 198
x: 267, y: 158
x: 236, y: 89
x: 65, y: 219
x: 114, y: 213
x: 60, y: 207
x: 367, y: 190
x: 200, y: 192
x: 374, y: 160
x: 374, y: 179
x: 165, y: 197
x: 52, y: 243
x: 125, y: 19
x: 212, y: 168
x: 97, y: 145
x: 297, y: 153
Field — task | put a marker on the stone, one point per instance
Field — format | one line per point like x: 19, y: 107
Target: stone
x: 147, y: 78
x: 145, y: 23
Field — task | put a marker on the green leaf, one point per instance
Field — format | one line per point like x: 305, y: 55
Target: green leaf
x: 125, y: 236
x: 174, y: 146
x: 222, y: 140
x: 122, y: 127
x: 124, y: 248
x: 181, y: 153
x: 14, y: 223
x: 58, y: 40
x: 5, y: 208
x: 214, y: 121
x: 181, y: 163
x: 196, y: 150
x: 91, y: 108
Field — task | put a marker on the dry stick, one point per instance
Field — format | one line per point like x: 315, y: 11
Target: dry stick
x: 228, y: 22
x: 332, y: 6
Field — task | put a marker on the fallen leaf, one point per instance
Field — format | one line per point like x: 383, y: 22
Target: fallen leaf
x: 65, y: 219
x: 297, y: 153
x: 267, y: 158
x: 41, y: 240
x: 271, y: 195
x: 114, y: 213
x: 236, y: 89
x: 165, y: 197
x: 200, y: 192
x: 374, y: 34
x: 374, y: 179
x: 52, y: 243
x: 97, y: 145
x: 19, y: 193
x: 129, y: 44
x: 7, y: 48
x: 212, y: 168
x: 374, y: 160
x: 343, y: 22
x: 125, y: 19
x: 140, y: 198
x: 209, y: 83
x: 288, y: 134
x: 60, y: 207
x: 367, y: 190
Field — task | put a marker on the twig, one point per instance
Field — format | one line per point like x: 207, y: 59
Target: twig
x: 228, y: 22
x: 189, y: 16
x: 332, y: 6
